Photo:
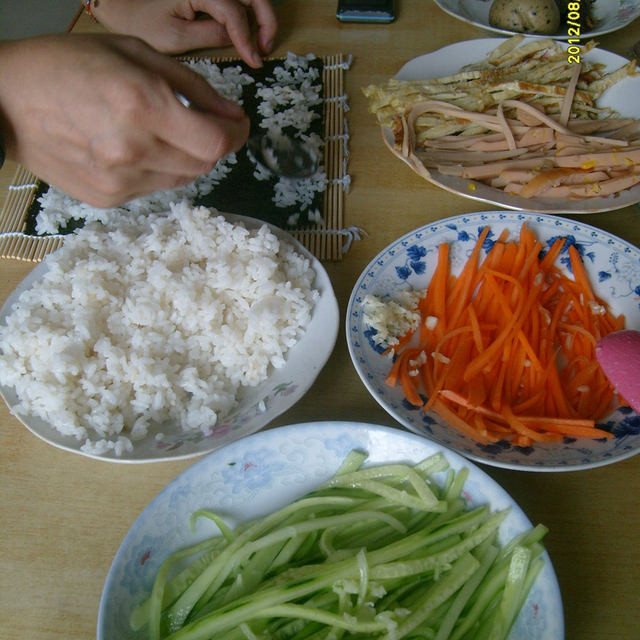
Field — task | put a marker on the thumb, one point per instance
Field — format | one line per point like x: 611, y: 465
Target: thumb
x: 202, y: 33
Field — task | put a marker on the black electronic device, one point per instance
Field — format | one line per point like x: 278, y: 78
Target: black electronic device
x: 366, y: 10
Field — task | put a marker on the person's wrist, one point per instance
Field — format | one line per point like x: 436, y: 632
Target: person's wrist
x: 89, y: 7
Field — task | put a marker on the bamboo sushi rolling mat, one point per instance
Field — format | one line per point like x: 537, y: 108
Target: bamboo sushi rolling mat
x: 327, y: 242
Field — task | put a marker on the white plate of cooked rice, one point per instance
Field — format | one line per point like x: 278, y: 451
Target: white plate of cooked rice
x: 165, y: 336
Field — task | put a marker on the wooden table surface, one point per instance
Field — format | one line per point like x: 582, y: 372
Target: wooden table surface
x: 63, y: 516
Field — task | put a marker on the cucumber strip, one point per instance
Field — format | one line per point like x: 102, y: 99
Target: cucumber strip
x: 214, y: 575
x: 354, y: 460
x: 281, y: 628
x: 335, y: 542
x: 463, y: 523
x: 360, y: 534
x: 489, y: 591
x: 363, y: 568
x: 441, y: 591
x: 157, y: 591
x: 248, y: 633
x: 309, y: 579
x: 408, y: 544
x: 174, y: 587
x: 489, y: 588
x: 253, y: 572
x: 397, y: 592
x: 375, y: 553
x: 433, y: 561
x: 396, y: 471
x: 226, y: 531
x: 464, y: 594
x: 514, y: 593
x: 289, y: 550
x: 316, y: 524
x: 324, y: 617
x: 432, y: 465
x: 483, y: 626
x: 304, y: 553
x: 231, y: 615
x: 525, y: 539
x: 401, y: 497
x: 457, y: 485
x: 448, y: 482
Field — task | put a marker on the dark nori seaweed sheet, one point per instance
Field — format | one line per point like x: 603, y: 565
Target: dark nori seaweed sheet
x: 239, y: 192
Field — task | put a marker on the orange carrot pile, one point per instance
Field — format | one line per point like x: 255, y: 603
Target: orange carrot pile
x: 506, y: 350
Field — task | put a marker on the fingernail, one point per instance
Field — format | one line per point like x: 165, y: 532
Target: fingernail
x: 257, y: 60
x: 235, y: 106
x: 268, y: 47
x: 235, y: 110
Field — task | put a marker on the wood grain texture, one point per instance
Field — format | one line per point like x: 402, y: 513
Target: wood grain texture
x: 63, y: 517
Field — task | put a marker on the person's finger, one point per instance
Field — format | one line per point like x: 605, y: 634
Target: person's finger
x: 267, y: 23
x: 203, y: 135
x: 198, y: 34
x: 104, y: 188
x: 146, y: 183
x: 145, y: 100
x: 233, y: 16
x: 180, y: 78
x: 143, y: 152
x: 201, y: 96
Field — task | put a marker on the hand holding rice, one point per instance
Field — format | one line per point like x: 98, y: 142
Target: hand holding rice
x: 154, y: 319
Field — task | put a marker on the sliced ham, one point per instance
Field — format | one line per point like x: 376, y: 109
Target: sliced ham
x: 592, y: 190
x: 509, y: 176
x: 491, y: 169
x: 622, y: 158
x: 520, y: 148
x: 545, y: 180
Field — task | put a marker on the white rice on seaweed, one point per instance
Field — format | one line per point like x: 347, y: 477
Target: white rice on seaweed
x: 286, y: 99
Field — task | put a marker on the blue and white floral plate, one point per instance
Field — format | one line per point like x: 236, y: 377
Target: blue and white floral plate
x: 614, y: 268
x: 258, y: 474
x: 257, y: 406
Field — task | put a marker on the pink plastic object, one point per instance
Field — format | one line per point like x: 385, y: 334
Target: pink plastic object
x: 619, y: 356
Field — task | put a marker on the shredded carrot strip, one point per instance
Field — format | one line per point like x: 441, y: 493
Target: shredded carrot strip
x: 502, y: 327
x: 475, y: 328
x: 552, y: 254
x: 462, y: 290
x: 580, y: 274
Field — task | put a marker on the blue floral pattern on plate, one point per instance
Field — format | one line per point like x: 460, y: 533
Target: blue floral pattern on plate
x: 614, y: 267
x: 262, y: 472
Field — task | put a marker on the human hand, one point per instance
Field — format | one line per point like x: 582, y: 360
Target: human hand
x: 97, y: 116
x: 175, y: 26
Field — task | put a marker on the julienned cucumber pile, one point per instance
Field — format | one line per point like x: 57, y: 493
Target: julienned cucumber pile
x: 381, y: 552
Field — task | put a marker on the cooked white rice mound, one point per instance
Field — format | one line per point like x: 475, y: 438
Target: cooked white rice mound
x: 154, y: 318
